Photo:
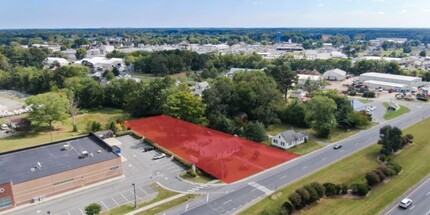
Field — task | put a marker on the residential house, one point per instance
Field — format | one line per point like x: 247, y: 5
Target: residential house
x: 290, y: 138
x: 297, y: 94
x: 51, y: 60
x: 200, y: 88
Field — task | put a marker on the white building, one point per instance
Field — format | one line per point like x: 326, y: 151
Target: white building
x: 233, y: 71
x: 297, y: 94
x: 390, y: 80
x: 384, y: 85
x: 200, y: 88
x: 102, y: 63
x: 335, y: 75
x: 312, y: 78
x: 288, y: 139
x: 51, y: 60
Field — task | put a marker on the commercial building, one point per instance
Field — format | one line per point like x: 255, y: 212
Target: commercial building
x: 389, y: 81
x: 31, y: 174
x: 335, y: 75
x: 302, y: 79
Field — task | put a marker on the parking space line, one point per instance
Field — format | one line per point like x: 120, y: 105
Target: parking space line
x: 114, y: 201
x: 107, y: 208
x: 143, y: 191
x: 81, y: 211
x: 125, y: 197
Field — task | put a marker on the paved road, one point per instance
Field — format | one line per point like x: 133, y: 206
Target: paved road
x: 243, y: 194
x: 420, y: 195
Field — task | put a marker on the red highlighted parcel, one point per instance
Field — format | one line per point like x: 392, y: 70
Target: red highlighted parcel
x: 224, y: 156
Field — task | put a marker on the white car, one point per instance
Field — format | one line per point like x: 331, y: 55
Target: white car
x: 4, y: 127
x: 159, y: 156
x: 405, y: 203
x: 370, y: 108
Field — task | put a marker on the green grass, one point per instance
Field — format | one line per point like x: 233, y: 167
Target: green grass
x: 198, y: 179
x: 162, y: 194
x: 352, y: 169
x: 62, y: 131
x: 168, y: 205
x: 365, y: 101
x: 389, y: 115
x: 340, y: 134
x: 305, y: 148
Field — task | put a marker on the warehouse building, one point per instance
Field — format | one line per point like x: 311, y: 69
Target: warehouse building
x: 335, y: 75
x: 389, y: 79
x: 32, y: 174
x: 385, y: 85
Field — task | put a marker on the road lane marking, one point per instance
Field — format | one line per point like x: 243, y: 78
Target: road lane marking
x: 412, y: 207
x: 305, y: 167
x: 104, y: 205
x: 186, y: 207
x: 428, y: 194
x: 114, y: 201
x: 324, y: 158
x: 262, y: 188
x: 283, y: 177
x: 207, y: 198
x: 428, y: 213
x: 125, y: 197
x: 227, y: 201
x: 81, y: 211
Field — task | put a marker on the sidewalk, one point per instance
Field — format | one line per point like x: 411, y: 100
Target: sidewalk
x: 156, y: 204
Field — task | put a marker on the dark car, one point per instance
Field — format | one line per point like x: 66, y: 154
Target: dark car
x: 337, y: 146
x: 148, y: 148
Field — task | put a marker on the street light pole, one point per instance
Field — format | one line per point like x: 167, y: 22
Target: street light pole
x: 134, y: 191
x: 48, y: 212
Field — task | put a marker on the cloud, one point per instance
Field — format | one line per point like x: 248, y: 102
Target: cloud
x: 257, y: 3
x: 425, y: 10
x: 320, y: 5
x: 403, y: 11
x: 379, y: 0
x: 381, y: 12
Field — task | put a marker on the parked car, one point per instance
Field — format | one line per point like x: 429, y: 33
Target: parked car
x: 4, y: 127
x: 405, y: 203
x: 370, y: 108
x: 337, y: 146
x: 159, y: 156
x: 148, y: 148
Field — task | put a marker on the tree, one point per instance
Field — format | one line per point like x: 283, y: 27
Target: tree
x: 319, y: 188
x: 80, y: 53
x: 93, y: 209
x: 286, y: 208
x: 320, y: 115
x: 305, y: 196
x: 330, y: 189
x: 360, y: 189
x: 285, y: 78
x: 254, y: 131
x: 184, y: 105
x: 94, y: 126
x: 294, y: 114
x: 312, y: 193
x: 422, y: 54
x: 296, y: 200
x: 48, y: 108
x: 391, y: 138
x: 73, y: 108
x: 372, y: 178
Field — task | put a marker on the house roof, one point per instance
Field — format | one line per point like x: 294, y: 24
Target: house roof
x: 390, y: 76
x: 357, y: 105
x: 291, y: 135
x: 336, y: 71
x: 39, y: 161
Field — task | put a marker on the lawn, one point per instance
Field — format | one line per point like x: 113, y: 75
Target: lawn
x: 365, y: 101
x: 305, y: 148
x: 198, y: 179
x: 389, y: 115
x: 63, y: 130
x: 352, y: 169
x: 168, y: 205
x: 162, y: 194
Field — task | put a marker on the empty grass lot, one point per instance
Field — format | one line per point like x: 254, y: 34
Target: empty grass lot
x: 352, y: 169
x: 63, y: 130
x: 389, y: 115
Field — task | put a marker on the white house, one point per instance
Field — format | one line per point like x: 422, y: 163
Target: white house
x: 200, y: 88
x: 312, y: 78
x: 298, y: 94
x: 102, y: 63
x: 335, y: 75
x: 290, y: 138
x: 51, y: 60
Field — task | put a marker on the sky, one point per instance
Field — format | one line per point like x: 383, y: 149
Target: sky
x: 213, y: 13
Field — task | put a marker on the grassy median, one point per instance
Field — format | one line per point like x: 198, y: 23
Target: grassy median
x: 351, y: 170
x: 389, y: 115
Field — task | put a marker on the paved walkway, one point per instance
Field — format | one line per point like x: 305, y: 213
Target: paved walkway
x: 156, y: 204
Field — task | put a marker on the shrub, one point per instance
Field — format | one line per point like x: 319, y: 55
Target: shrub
x: 286, y: 208
x: 381, y: 175
x: 295, y: 200
x: 93, y: 126
x: 410, y: 137
x: 352, y: 93
x: 93, y: 209
x: 385, y: 151
x: 312, y: 193
x: 343, y: 189
x: 369, y: 94
x: 385, y: 170
x: 372, y: 178
x: 304, y: 194
x: 330, y: 189
x: 382, y: 158
x: 396, y: 167
x: 192, y: 173
x: 319, y: 188
x: 360, y: 189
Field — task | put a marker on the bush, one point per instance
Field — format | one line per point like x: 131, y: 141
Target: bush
x: 369, y: 94
x: 372, y: 178
x: 330, y: 189
x: 385, y: 151
x: 396, y: 167
x: 352, y: 93
x: 382, y: 158
x: 312, y: 193
x: 287, y: 208
x: 304, y: 194
x: 93, y: 209
x: 410, y: 137
x: 385, y: 170
x: 295, y: 200
x: 381, y: 175
x: 360, y: 189
x: 93, y: 126
x: 319, y: 188
x: 191, y: 173
x: 343, y: 189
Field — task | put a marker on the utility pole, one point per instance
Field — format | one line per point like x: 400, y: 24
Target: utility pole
x: 134, y: 191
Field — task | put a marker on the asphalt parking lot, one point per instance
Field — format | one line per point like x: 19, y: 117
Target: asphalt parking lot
x: 138, y: 168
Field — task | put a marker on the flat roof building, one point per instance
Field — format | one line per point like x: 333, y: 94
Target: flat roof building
x: 31, y: 174
x: 407, y: 81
